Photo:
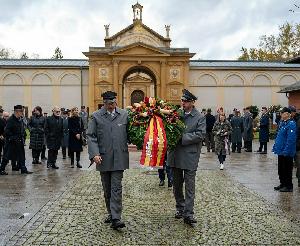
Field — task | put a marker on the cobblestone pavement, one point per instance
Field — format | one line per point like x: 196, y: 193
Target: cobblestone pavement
x: 227, y: 212
x: 66, y: 207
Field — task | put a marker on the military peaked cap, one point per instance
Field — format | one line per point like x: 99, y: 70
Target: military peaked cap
x: 109, y: 95
x: 188, y: 96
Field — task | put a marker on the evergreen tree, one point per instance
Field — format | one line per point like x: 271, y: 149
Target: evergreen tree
x: 57, y: 54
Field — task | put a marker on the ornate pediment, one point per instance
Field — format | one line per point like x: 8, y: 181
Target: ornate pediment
x: 139, y: 49
x: 138, y: 78
x: 137, y: 32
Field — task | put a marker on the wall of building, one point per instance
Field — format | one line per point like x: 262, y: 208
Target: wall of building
x: 240, y: 88
x: 44, y: 87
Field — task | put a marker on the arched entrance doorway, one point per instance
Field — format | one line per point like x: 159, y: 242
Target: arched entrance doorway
x: 138, y: 82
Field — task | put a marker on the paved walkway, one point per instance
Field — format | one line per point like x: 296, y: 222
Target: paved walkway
x: 234, y: 206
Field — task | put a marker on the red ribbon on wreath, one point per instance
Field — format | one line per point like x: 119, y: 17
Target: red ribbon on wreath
x: 155, y: 144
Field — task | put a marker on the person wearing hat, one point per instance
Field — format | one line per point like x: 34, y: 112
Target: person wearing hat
x: 285, y: 148
x: 185, y: 157
x: 264, y: 125
x: 237, y: 129
x: 84, y: 117
x: 108, y: 148
x: 14, y: 134
x: 248, y: 130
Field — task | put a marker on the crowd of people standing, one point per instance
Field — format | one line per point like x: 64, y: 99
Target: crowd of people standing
x: 64, y: 129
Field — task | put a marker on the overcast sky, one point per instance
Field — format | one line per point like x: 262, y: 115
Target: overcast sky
x: 213, y: 29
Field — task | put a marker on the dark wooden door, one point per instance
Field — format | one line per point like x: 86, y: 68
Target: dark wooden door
x: 137, y: 96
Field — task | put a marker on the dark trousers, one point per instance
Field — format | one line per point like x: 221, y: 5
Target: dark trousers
x: 52, y: 156
x: 221, y: 158
x: 1, y: 149
x: 36, y: 154
x: 209, y: 141
x: 64, y: 151
x: 21, y: 165
x: 263, y: 145
x: 43, y: 153
x: 162, y: 175
x: 248, y: 145
x: 112, y: 188
x: 184, y: 203
x: 285, y: 170
x: 236, y: 146
x: 77, y: 156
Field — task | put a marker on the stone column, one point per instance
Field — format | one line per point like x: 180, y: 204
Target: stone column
x: 116, y: 82
x: 161, y: 84
x: 91, y: 87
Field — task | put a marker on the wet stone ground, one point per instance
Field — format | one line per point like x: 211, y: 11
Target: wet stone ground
x: 230, y: 206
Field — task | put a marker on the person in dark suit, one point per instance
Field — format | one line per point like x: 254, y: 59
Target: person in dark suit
x: 14, y: 145
x: 264, y: 125
x: 54, y: 134
x: 185, y: 157
x: 76, y: 128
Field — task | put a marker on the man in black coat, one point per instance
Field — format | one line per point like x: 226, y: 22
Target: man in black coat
x: 209, y: 137
x: 54, y: 134
x: 264, y: 131
x: 14, y: 144
x: 2, y: 126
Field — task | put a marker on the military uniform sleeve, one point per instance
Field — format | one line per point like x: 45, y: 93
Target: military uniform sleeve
x: 198, y: 135
x: 92, y: 141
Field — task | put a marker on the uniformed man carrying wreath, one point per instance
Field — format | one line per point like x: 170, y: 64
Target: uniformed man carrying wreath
x: 108, y: 148
x: 184, y: 159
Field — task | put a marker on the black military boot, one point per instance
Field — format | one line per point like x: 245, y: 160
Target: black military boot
x: 162, y: 183
x: 190, y: 221
x: 117, y: 224
x: 54, y: 166
x: 78, y: 164
x: 108, y: 219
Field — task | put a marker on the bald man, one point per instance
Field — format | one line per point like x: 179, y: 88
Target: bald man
x: 54, y: 134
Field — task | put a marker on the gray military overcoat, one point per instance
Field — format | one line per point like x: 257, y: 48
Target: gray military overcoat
x: 187, y: 152
x: 237, y: 129
x: 248, y: 127
x: 107, y: 136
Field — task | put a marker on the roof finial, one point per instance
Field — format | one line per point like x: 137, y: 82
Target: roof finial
x: 137, y: 12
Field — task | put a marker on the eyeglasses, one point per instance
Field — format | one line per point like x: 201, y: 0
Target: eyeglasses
x: 57, y: 111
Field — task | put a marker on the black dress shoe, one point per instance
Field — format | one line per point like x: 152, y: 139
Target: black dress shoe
x: 78, y: 165
x: 190, y: 221
x: 286, y: 189
x: 108, y: 219
x: 170, y: 184
x: 3, y: 173
x: 178, y: 215
x: 264, y: 152
x: 161, y: 183
x: 15, y: 169
x: 54, y: 166
x: 278, y: 187
x: 117, y: 224
x: 26, y: 172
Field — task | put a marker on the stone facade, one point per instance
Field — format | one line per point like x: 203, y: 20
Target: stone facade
x: 43, y: 86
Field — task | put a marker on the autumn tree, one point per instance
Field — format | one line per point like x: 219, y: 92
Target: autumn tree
x: 283, y: 46
x: 57, y: 54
